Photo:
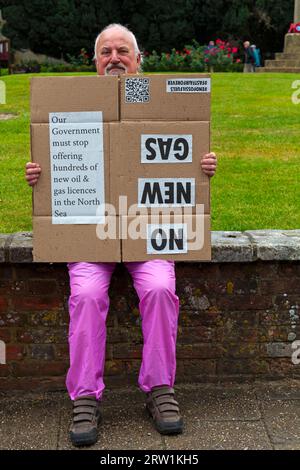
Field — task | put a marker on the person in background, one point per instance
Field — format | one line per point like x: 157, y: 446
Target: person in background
x: 256, y: 55
x: 249, y: 66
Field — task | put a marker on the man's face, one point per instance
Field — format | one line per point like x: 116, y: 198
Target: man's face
x: 246, y: 44
x: 115, y: 53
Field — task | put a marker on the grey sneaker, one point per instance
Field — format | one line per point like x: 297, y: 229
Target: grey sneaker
x: 86, y: 417
x: 164, y: 410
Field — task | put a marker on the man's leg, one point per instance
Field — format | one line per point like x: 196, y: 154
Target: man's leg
x: 88, y: 307
x: 154, y: 282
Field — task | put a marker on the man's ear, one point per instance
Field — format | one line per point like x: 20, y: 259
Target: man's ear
x: 139, y: 62
x: 96, y: 64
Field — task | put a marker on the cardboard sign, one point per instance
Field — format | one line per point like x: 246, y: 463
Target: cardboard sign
x: 96, y: 139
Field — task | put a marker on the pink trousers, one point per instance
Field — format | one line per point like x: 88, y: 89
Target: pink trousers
x: 154, y: 282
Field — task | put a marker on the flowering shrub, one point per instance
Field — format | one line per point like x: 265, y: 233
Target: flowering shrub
x: 83, y: 58
x: 221, y: 57
x: 190, y: 59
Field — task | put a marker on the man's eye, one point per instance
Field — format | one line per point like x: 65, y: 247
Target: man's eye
x: 123, y: 51
x: 105, y: 52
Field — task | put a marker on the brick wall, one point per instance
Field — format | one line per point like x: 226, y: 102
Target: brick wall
x: 238, y: 320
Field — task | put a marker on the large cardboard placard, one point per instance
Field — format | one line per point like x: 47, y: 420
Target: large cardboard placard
x: 138, y: 137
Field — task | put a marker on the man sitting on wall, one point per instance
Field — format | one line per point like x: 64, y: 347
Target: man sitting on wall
x: 117, y: 52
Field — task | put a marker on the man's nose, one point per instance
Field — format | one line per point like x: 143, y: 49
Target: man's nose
x: 115, y: 57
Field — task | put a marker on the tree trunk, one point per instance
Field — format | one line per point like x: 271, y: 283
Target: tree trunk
x: 297, y: 12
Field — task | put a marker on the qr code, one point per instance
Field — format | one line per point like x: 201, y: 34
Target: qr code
x: 137, y: 90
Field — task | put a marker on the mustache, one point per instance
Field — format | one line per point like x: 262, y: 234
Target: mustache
x: 115, y: 66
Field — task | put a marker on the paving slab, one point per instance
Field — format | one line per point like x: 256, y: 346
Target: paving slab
x: 29, y: 423
x: 221, y: 435
x: 282, y: 419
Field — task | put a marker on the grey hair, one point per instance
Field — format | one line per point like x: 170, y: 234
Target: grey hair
x: 123, y: 28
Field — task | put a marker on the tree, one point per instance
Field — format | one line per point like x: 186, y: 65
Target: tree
x: 58, y: 27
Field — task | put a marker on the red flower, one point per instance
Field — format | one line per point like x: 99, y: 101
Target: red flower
x: 234, y: 50
x: 238, y: 61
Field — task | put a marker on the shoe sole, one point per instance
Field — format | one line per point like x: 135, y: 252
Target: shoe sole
x: 85, y: 439
x: 165, y: 429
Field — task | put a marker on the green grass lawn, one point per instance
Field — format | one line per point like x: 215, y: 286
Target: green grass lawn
x: 255, y: 132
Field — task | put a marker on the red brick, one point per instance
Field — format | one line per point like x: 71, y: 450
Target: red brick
x: 231, y: 332
x: 5, y: 335
x: 42, y: 335
x: 15, y: 353
x: 243, y: 366
x: 192, y: 369
x: 201, y: 333
x: 28, y: 304
x: 261, y: 269
x: 127, y: 351
x: 276, y: 333
x: 245, y: 302
x: 198, y: 351
x: 36, y: 384
x: 115, y: 367
x: 240, y: 350
x: 41, y: 271
x: 280, y: 286
x: 3, y: 305
x: 5, y: 371
x: 39, y: 369
x: 289, y: 269
x: 196, y: 271
x: 281, y: 367
x: 13, y: 319
x: 42, y: 287
x: 6, y: 271
x: 49, y: 318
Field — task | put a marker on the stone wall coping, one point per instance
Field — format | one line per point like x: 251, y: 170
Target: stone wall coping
x: 227, y: 246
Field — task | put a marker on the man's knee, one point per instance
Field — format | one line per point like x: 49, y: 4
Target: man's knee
x: 161, y: 287
x: 89, y: 293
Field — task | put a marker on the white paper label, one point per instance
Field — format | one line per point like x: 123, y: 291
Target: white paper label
x: 166, y: 192
x: 188, y: 85
x: 166, y: 239
x: 77, y: 167
x: 165, y: 148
